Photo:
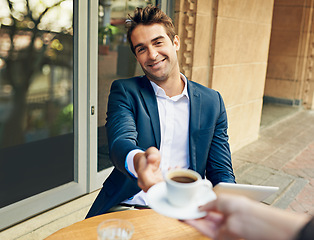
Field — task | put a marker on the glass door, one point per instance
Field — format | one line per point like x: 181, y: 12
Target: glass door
x: 39, y: 108
x: 114, y: 60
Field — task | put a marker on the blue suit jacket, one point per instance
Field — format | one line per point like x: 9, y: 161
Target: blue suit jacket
x: 133, y: 123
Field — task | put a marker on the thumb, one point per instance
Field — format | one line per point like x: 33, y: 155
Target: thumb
x: 152, y: 150
x: 153, y: 156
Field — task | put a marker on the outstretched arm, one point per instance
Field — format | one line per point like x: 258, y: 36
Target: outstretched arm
x: 235, y: 217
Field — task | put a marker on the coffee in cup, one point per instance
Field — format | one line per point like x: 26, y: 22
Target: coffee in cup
x: 183, y: 185
x: 183, y: 179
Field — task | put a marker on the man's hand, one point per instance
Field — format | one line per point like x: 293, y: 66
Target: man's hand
x: 147, y: 167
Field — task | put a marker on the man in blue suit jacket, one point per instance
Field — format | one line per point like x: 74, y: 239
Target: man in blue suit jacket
x: 160, y: 120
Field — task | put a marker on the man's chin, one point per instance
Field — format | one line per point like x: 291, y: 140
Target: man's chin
x: 155, y: 78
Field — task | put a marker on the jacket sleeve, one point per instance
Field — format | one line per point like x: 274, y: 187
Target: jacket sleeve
x: 121, y: 126
x: 307, y: 232
x: 219, y: 166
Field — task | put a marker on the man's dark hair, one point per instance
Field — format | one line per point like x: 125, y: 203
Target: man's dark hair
x: 147, y: 16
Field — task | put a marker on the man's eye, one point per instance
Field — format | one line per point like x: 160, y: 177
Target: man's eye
x: 139, y: 50
x: 158, y: 43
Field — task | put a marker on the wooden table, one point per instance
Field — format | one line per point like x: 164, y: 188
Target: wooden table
x: 147, y: 225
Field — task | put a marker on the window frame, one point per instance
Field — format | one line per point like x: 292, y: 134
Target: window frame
x: 31, y: 206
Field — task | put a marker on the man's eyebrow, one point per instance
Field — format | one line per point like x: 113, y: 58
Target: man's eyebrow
x: 153, y: 40
x: 157, y: 38
x: 138, y: 45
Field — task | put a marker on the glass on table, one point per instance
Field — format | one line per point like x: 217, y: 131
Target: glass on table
x: 115, y: 229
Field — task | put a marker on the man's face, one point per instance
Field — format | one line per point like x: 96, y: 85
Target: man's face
x: 155, y: 52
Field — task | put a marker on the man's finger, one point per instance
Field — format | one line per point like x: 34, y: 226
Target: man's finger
x: 153, y: 155
x: 153, y: 159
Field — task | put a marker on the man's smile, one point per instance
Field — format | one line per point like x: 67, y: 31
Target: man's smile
x: 156, y: 64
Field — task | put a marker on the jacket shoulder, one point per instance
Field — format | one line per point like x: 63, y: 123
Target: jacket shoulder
x: 133, y: 81
x: 194, y: 86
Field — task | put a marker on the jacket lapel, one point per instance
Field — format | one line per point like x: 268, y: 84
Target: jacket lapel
x: 195, y: 115
x: 150, y: 101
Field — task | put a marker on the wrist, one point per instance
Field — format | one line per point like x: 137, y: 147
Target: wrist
x: 136, y: 160
x: 129, y: 162
x: 279, y: 224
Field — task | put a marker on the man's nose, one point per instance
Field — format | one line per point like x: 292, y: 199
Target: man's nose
x: 153, y: 53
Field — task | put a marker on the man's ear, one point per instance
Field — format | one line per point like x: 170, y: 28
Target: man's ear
x: 176, y: 42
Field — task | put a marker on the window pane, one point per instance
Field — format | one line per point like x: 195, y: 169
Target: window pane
x: 115, y: 60
x: 36, y: 97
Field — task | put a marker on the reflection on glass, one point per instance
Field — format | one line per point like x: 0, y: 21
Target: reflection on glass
x: 36, y: 97
x: 115, y: 59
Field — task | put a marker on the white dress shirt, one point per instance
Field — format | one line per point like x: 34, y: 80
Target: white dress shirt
x: 174, y: 115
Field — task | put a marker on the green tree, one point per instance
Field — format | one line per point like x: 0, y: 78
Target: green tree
x: 20, y: 63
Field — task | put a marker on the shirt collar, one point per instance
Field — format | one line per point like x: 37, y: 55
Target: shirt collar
x: 161, y: 93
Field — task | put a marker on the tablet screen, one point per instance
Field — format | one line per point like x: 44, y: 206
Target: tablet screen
x: 256, y: 192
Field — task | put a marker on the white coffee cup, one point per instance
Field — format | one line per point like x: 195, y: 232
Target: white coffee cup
x: 183, y: 185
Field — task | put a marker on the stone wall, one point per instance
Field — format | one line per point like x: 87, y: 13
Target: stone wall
x: 195, y: 23
x: 239, y: 64
x: 289, y: 73
x: 224, y: 46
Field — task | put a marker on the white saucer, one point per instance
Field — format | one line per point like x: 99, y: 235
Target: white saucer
x: 157, y: 200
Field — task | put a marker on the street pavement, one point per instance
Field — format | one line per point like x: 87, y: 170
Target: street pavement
x: 282, y: 156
